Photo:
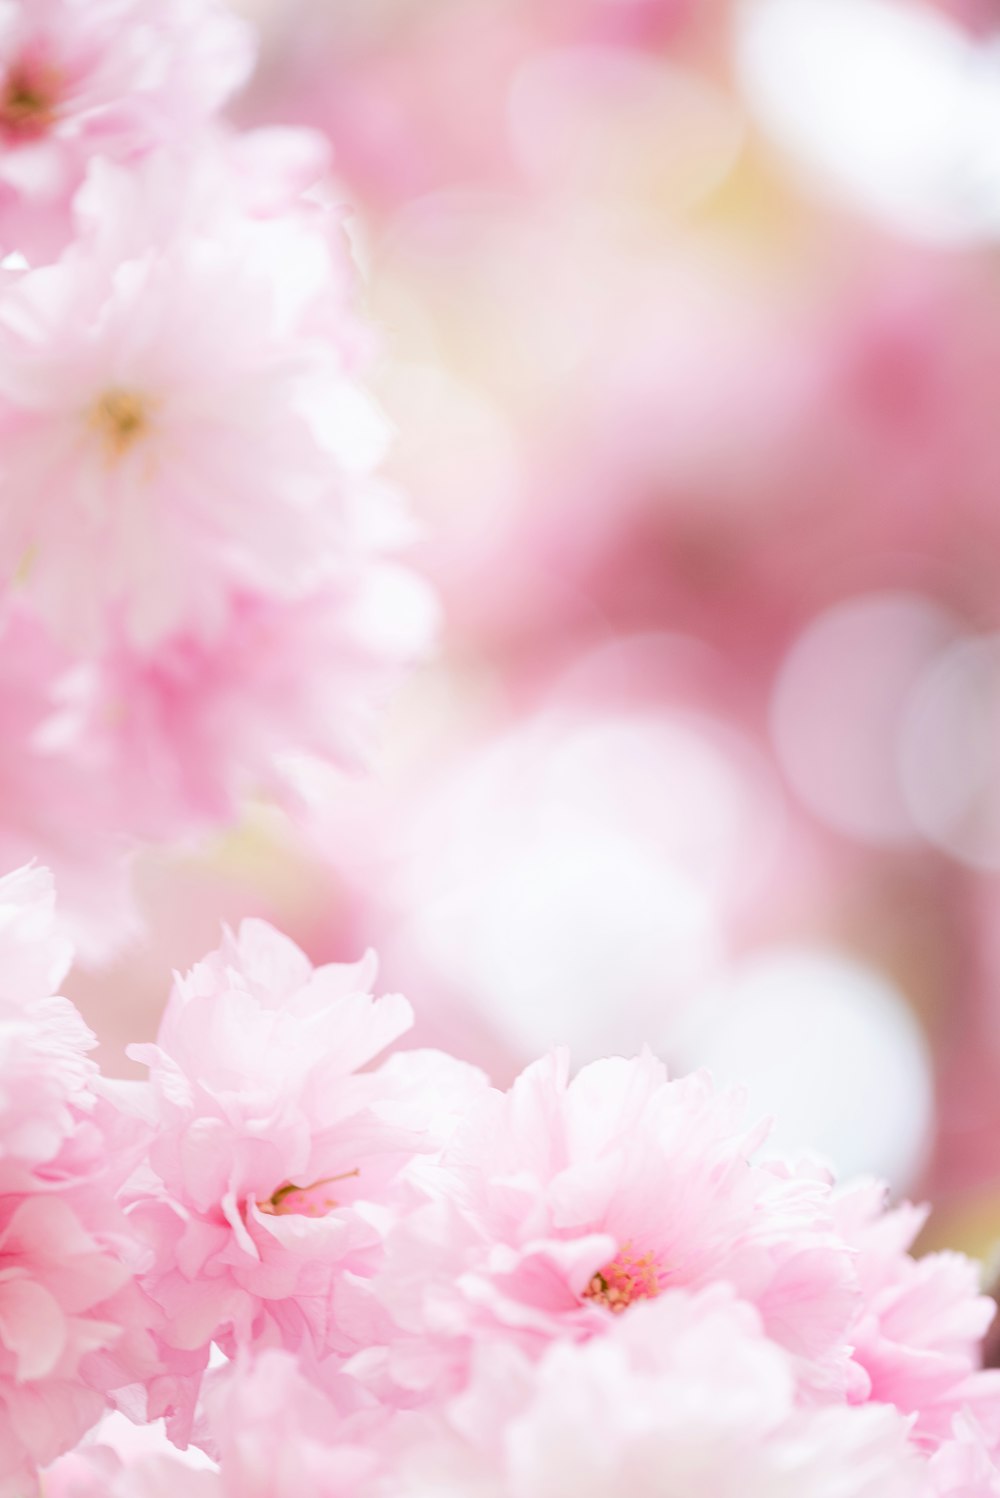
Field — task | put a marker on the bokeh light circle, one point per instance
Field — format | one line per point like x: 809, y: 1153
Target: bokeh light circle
x: 831, y: 1048
x: 838, y: 707
x: 951, y: 752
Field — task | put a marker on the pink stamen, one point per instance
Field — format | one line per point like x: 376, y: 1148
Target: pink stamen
x: 626, y: 1278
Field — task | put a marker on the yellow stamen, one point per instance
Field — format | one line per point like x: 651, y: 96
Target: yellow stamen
x: 28, y: 102
x: 275, y: 1206
x: 120, y: 418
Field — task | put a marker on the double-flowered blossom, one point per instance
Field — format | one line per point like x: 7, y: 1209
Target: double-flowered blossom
x: 73, y: 1325
x: 561, y: 1203
x: 275, y: 1148
x: 965, y: 1467
x: 197, y: 575
x: 80, y: 78
x: 178, y: 426
x: 919, y: 1330
x: 684, y: 1395
x: 187, y: 733
x: 557, y: 1207
x: 340, y: 1273
x: 273, y: 1432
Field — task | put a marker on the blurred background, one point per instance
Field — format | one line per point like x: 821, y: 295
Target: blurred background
x: 688, y: 322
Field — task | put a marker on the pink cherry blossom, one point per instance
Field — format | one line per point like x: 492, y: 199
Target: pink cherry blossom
x: 273, y: 1149
x: 57, y: 800
x: 322, y: 1451
x: 80, y: 78
x: 66, y: 1300
x: 34, y: 955
x: 273, y: 1432
x: 685, y: 1395
x: 44, y: 1068
x: 418, y: 1284
x: 965, y: 1466
x: 73, y: 1326
x: 560, y: 1204
x: 180, y: 424
x: 187, y: 734
x: 920, y: 1331
x: 99, y: 1471
x: 328, y: 1266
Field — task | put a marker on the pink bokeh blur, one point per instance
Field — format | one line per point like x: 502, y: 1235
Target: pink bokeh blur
x: 689, y: 330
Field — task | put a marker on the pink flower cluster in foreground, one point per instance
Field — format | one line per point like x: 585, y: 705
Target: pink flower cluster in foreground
x: 338, y: 1268
x: 195, y: 552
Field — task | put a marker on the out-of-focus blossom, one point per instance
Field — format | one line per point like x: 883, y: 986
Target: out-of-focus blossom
x: 188, y: 733
x: 99, y: 1472
x: 386, y: 81
x: 190, y: 512
x: 685, y: 1395
x: 56, y: 800
x: 115, y: 78
x: 964, y: 1467
x: 916, y: 145
x: 324, y: 1451
x: 177, y: 428
x: 645, y: 831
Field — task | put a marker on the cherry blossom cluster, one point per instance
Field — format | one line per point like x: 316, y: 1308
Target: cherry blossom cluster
x: 303, y: 1261
x: 197, y: 580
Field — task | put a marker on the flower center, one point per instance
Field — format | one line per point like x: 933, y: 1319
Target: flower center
x: 291, y: 1199
x: 28, y: 102
x: 626, y: 1278
x: 120, y: 418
